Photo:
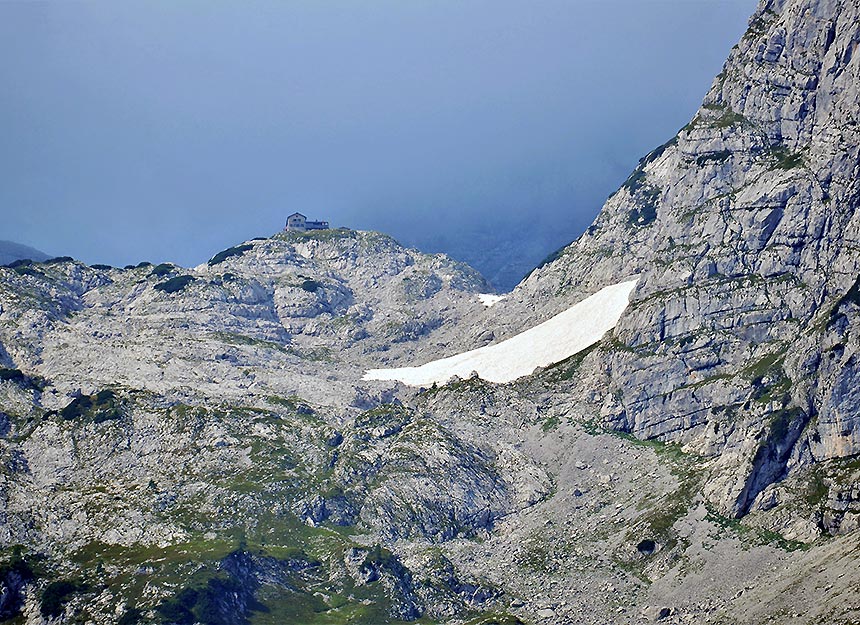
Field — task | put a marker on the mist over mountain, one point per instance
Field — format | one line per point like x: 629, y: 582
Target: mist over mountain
x: 11, y: 251
x: 143, y: 132
x: 504, y: 253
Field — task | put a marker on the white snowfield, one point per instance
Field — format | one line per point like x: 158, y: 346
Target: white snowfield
x: 560, y: 337
x: 489, y: 299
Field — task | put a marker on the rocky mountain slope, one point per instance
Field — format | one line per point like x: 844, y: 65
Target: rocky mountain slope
x: 740, y: 341
x: 297, y: 303
x: 197, y: 446
x: 201, y: 431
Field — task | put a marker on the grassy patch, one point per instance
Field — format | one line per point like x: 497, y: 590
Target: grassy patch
x: 761, y: 367
x: 317, y: 354
x: 785, y: 159
x: 566, y: 369
x: 390, y: 417
x: 238, y: 250
x: 536, y: 555
x: 195, y: 583
x: 666, y: 511
x: 174, y: 285
x: 714, y: 157
x: 723, y: 117
x: 815, y: 491
x: 753, y: 535
x: 293, y: 403
x: 702, y: 383
x: 550, y: 423
x: 332, y: 234
x: 768, y: 378
x: 162, y: 269
x: 726, y: 116
x: 539, y: 553
x: 233, y: 338
x: 103, y: 406
x: 675, y: 504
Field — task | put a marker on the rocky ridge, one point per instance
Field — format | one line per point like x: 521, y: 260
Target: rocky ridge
x: 296, y: 303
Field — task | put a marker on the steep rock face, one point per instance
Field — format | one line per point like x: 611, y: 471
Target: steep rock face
x: 741, y: 337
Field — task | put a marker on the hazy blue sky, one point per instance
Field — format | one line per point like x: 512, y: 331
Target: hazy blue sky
x: 170, y: 130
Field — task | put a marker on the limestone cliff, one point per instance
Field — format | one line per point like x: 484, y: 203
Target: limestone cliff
x: 741, y: 338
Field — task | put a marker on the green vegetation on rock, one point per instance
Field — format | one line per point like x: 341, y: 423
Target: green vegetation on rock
x: 162, y: 270
x: 174, y: 285
x: 55, y: 595
x: 786, y: 159
x: 238, y: 250
x: 332, y: 234
x: 103, y: 406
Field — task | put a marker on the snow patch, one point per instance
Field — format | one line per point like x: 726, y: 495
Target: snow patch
x: 488, y: 299
x: 560, y: 337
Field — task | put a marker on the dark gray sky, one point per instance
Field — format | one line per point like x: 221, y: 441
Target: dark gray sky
x: 170, y: 130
